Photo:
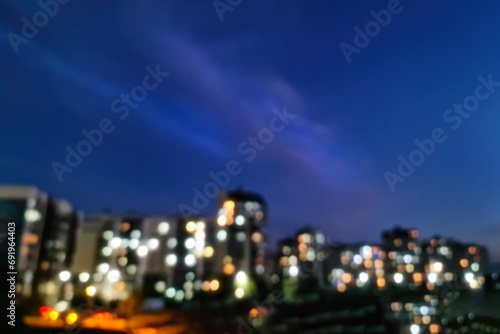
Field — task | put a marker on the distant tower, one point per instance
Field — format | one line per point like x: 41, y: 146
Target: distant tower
x: 241, y: 234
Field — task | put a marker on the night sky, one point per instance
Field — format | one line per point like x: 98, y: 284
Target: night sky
x: 325, y: 169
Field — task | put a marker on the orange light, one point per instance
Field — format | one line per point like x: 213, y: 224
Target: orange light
x: 125, y: 227
x: 398, y: 242
x: 379, y: 264
x: 45, y: 310
x: 418, y: 278
x: 229, y: 269
x: 368, y: 264
x: 120, y: 286
x: 472, y: 250
x: 434, y: 242
x: 302, y: 247
x: 254, y: 313
x: 341, y: 287
x: 347, y: 278
x: 430, y: 286
x: 205, y: 286
x: 435, y: 328
x: 464, y: 263
x: 381, y: 283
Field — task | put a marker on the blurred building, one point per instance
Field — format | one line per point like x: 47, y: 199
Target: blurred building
x: 45, y: 233
x: 241, y: 237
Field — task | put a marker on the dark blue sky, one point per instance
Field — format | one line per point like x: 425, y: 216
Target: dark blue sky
x: 326, y: 169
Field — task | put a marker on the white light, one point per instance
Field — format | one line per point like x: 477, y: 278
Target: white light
x: 142, y: 251
x: 107, y: 235
x: 163, y: 228
x: 239, y: 220
x: 106, y: 251
x: 438, y: 267
x: 475, y: 266
x: 32, y: 215
x: 160, y: 286
x: 124, y: 243
x: 259, y: 269
x: 190, y: 260
x: 135, y: 234
x: 358, y: 259
x: 414, y: 329
x: 170, y: 293
x: 133, y: 244
x: 153, y: 243
x: 64, y: 276
x: 241, y: 277
x: 424, y: 310
x: 239, y: 293
x: 200, y: 226
x: 293, y: 271
x: 115, y: 242
x: 84, y: 277
x: 407, y: 258
x: 172, y: 242
x: 366, y: 250
x: 189, y: 243
x: 292, y: 260
x: 221, y: 235
x: 113, y: 275
x: 103, y: 268
x: 179, y: 295
x: 363, y: 277
x: 132, y: 269
x: 241, y: 236
x: 171, y: 259
x: 398, y: 278
x: 469, y: 277
x: 432, y: 277
x: 61, y: 306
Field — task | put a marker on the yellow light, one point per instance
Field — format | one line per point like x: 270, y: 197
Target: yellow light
x: 53, y: 315
x: 254, y: 313
x: 437, y: 267
x: 410, y: 268
x: 214, y: 285
x: 368, y: 264
x: 71, y: 318
x: 208, y: 251
x: 221, y: 220
x: 90, y: 291
x: 190, y: 226
x: 228, y: 205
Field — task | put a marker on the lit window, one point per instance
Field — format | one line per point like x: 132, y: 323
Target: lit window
x: 163, y: 228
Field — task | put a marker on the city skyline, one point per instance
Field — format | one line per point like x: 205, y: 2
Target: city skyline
x: 325, y: 168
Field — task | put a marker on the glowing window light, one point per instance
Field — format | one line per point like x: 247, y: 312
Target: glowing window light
x: 115, y: 242
x: 90, y: 291
x: 84, y: 277
x: 107, y: 235
x: 229, y: 269
x: 163, y: 228
x: 475, y: 267
x: 293, y: 271
x: 239, y: 293
x: 222, y: 220
x: 256, y: 237
x: 432, y: 277
x: 363, y: 277
x: 221, y: 235
x: 153, y: 243
x: 240, y: 220
x: 133, y: 244
x: 190, y: 260
x: 214, y: 285
x: 135, y: 234
x: 190, y: 226
x: 241, y: 277
x: 358, y: 259
x: 170, y: 293
x: 171, y: 259
x: 469, y: 277
x: 64, y: 275
x: 142, y: 251
x: 415, y: 329
x: 200, y: 226
x: 229, y: 205
x: 189, y: 243
x: 113, y: 275
x: 172, y: 242
x: 407, y: 258
x: 208, y: 252
x: 160, y: 286
x: 464, y: 263
x: 398, y: 278
x: 103, y: 268
x: 106, y: 251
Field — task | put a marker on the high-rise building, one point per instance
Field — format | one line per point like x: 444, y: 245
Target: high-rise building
x: 45, y: 232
